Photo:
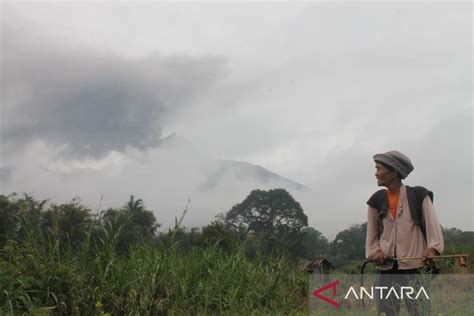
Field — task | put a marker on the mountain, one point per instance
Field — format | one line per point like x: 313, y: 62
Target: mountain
x: 165, y: 178
x: 220, y: 171
x: 246, y: 172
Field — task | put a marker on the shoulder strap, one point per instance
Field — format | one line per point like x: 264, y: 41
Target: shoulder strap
x: 415, y: 196
x: 379, y: 201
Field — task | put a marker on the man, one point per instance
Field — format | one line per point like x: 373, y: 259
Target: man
x: 401, y: 223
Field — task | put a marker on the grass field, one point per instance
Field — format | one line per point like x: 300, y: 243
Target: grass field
x: 43, y: 273
x: 38, y: 277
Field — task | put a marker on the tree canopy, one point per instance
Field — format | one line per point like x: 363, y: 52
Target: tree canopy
x: 273, y: 212
x: 273, y: 219
x: 139, y: 224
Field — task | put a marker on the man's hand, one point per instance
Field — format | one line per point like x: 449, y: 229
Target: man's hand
x: 378, y: 258
x: 428, y: 257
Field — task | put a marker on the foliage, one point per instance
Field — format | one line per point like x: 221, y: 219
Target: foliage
x: 9, y: 212
x: 313, y: 244
x: 273, y: 212
x: 66, y: 260
x: 68, y: 221
x: 41, y: 274
x: 349, y: 244
x: 220, y: 234
x: 457, y: 242
x: 454, y: 236
x: 18, y: 212
x: 273, y: 220
x: 139, y: 224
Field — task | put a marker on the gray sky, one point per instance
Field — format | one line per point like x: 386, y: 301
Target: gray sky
x: 309, y: 91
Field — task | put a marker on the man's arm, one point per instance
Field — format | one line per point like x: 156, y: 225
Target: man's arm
x: 434, y: 234
x: 372, y: 246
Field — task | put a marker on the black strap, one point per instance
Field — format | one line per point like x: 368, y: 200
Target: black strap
x: 379, y: 201
x: 415, y: 196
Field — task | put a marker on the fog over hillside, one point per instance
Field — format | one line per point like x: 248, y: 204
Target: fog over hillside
x: 164, y: 178
x: 260, y: 95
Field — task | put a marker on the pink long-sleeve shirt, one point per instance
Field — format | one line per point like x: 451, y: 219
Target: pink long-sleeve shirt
x: 401, y: 237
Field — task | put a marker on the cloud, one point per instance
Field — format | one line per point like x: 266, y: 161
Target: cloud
x: 315, y: 91
x: 92, y: 103
x: 164, y: 177
x: 344, y: 179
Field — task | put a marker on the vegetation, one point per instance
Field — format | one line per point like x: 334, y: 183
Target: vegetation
x: 274, y: 220
x: 68, y: 260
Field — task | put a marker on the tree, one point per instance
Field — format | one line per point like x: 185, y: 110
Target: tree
x: 139, y: 224
x: 349, y: 244
x: 313, y: 244
x: 9, y: 219
x: 273, y: 220
x: 180, y: 238
x: 220, y: 234
x: 142, y: 220
x: 273, y: 212
x: 70, y: 221
x: 458, y: 241
x: 20, y: 217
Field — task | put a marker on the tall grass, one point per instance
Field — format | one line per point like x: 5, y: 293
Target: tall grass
x: 43, y: 274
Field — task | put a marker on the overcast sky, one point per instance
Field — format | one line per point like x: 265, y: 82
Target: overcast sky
x: 310, y: 91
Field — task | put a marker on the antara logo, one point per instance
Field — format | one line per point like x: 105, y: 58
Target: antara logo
x: 333, y: 286
x: 404, y: 291
x: 384, y: 292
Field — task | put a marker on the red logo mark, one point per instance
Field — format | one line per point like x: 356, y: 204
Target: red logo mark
x: 332, y: 285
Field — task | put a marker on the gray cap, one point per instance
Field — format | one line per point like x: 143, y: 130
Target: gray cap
x: 397, y: 161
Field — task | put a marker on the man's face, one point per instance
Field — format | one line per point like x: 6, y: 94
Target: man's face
x: 384, y: 175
